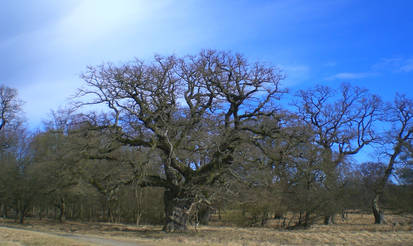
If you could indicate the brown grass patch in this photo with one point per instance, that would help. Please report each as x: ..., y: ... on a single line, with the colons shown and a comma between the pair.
x: 15, y: 237
x: 356, y: 230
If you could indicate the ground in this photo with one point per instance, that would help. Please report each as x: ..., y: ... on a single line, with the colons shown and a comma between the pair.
x: 356, y: 230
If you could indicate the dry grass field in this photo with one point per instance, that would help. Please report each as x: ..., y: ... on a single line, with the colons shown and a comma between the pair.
x: 356, y: 230
x: 16, y: 237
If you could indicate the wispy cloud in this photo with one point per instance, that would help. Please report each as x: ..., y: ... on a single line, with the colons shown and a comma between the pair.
x: 385, y: 65
x: 352, y: 75
x: 408, y: 66
x: 395, y: 65
x: 46, y: 43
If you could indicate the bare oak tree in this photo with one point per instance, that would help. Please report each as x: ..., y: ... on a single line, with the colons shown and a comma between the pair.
x: 184, y: 108
x: 399, y: 139
x: 11, y: 138
x: 342, y: 122
x: 10, y: 107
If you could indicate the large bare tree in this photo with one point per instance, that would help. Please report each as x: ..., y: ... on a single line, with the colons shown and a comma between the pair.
x: 398, y: 139
x: 10, y: 105
x: 10, y: 109
x: 191, y: 110
x: 342, y: 121
x: 11, y: 138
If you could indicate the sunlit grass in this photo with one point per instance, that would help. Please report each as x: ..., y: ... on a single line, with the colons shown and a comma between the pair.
x: 357, y: 229
x: 12, y: 237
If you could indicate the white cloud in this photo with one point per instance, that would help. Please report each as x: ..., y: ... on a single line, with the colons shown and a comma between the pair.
x: 395, y: 65
x: 351, y: 75
x: 95, y: 20
x: 44, y: 60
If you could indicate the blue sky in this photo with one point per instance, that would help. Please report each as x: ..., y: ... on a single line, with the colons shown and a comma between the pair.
x: 46, y: 44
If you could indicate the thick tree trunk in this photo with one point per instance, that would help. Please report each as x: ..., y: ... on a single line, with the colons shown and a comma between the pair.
x: 203, y: 216
x: 378, y: 214
x: 175, y: 212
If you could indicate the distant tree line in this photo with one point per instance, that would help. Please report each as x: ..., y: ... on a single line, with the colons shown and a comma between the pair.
x: 181, y: 138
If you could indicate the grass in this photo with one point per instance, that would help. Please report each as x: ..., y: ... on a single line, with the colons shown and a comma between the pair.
x: 356, y: 230
x: 17, y: 237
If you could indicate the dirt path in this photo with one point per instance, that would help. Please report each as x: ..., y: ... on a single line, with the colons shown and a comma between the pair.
x: 83, y: 238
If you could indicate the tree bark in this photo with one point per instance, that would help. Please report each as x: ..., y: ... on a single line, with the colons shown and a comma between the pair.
x: 378, y: 214
x: 138, y: 198
x: 204, y: 215
x: 175, y: 212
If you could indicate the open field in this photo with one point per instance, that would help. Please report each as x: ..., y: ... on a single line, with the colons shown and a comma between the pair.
x: 356, y: 230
